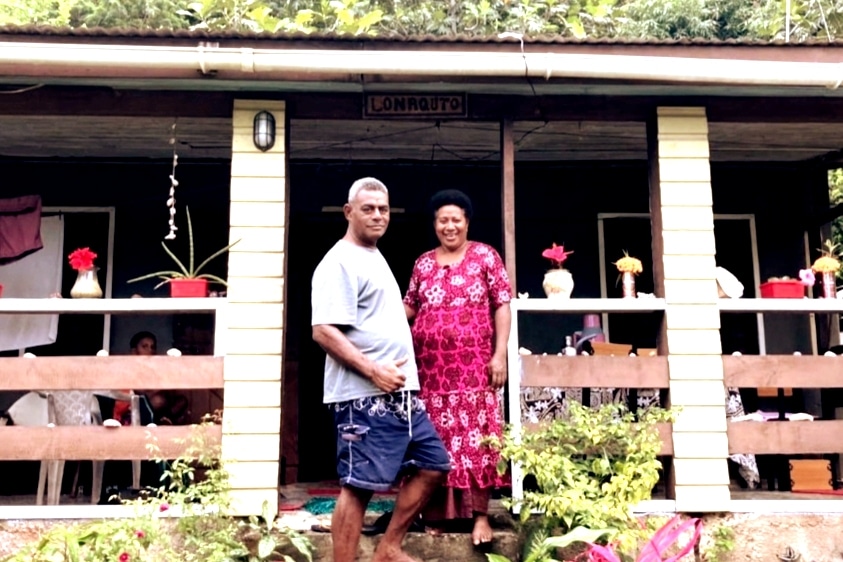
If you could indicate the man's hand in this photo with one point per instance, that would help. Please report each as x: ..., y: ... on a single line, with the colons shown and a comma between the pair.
x: 388, y: 377
x: 497, y: 371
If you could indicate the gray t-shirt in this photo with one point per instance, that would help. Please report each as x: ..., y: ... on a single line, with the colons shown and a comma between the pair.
x: 354, y: 289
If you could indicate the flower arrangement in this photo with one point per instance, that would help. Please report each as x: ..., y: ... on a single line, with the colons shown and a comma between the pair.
x: 81, y: 259
x: 557, y: 255
x: 628, y: 264
x: 828, y: 262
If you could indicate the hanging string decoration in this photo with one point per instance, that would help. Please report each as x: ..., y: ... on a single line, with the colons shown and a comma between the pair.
x: 171, y: 200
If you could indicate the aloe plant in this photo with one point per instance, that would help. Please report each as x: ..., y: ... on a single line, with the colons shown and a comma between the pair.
x: 189, y: 272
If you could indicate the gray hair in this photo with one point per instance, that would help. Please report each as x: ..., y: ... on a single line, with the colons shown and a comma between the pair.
x: 366, y: 184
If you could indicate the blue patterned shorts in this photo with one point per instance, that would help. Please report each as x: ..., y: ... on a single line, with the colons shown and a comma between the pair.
x: 375, y: 442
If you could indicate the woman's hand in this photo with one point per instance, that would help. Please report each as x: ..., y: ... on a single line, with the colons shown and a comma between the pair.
x: 497, y: 370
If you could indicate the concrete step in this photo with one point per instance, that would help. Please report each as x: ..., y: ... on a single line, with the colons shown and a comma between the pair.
x: 447, y: 547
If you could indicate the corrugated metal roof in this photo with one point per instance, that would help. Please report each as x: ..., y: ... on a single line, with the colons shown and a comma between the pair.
x: 116, y: 33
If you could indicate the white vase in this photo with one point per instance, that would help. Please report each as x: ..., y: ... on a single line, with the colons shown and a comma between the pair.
x: 87, y: 285
x: 558, y: 284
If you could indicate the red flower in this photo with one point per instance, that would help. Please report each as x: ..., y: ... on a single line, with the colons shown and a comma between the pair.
x: 83, y: 258
x: 140, y: 534
x: 163, y: 507
x: 124, y: 557
x: 556, y: 254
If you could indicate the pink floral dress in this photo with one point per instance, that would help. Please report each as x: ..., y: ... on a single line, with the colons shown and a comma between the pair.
x: 453, y: 336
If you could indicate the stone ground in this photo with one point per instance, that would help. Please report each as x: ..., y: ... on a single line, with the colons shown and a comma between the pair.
x: 758, y: 536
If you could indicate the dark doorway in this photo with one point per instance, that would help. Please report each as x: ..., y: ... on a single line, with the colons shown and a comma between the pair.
x: 318, y: 191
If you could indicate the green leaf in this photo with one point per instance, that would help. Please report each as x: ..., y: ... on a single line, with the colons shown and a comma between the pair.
x: 177, y: 260
x: 214, y: 255
x: 162, y: 274
x: 579, y: 534
x: 268, y: 516
x: 265, y: 547
x: 496, y: 558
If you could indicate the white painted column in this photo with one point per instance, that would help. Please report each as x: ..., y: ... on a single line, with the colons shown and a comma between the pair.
x: 684, y: 258
x: 255, y: 313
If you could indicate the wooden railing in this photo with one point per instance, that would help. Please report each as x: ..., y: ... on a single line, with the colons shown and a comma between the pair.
x: 777, y: 371
x: 104, y: 374
x: 550, y: 370
x: 784, y: 371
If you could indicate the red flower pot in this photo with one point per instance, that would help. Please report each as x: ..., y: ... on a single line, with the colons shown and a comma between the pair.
x: 782, y: 290
x: 180, y: 288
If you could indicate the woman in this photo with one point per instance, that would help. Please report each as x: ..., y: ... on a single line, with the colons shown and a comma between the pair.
x: 458, y: 300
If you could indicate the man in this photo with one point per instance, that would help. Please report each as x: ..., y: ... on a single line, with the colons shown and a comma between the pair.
x: 371, y: 381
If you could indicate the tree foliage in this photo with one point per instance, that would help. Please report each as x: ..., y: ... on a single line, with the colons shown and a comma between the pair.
x: 662, y: 19
x: 135, y: 14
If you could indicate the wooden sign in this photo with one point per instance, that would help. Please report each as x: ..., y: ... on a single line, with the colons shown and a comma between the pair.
x: 384, y: 106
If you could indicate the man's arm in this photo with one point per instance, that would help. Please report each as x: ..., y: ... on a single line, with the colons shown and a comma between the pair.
x: 387, y: 377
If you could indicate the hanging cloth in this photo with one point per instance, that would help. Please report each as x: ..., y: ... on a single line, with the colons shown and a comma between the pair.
x: 20, y: 227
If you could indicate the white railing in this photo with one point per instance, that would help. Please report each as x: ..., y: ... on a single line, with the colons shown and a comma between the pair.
x: 125, y: 306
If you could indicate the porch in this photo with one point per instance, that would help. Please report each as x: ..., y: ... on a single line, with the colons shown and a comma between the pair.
x: 674, y: 186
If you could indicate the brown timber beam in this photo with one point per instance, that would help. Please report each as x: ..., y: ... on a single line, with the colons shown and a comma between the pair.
x: 596, y: 371
x: 785, y: 438
x: 102, y: 443
x: 508, y: 197
x: 783, y: 371
x: 111, y: 373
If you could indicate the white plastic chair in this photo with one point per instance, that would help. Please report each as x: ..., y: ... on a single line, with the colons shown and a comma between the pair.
x: 68, y: 407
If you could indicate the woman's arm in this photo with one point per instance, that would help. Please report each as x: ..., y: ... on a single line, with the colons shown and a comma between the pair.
x: 410, y: 311
x: 497, y: 366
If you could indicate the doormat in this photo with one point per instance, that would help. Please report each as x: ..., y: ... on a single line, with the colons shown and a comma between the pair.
x: 322, y: 506
x: 335, y: 491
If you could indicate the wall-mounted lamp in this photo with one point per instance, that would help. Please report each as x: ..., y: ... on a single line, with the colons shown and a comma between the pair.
x: 264, y: 130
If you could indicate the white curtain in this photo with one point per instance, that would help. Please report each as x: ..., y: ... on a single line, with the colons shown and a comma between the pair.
x: 38, y: 275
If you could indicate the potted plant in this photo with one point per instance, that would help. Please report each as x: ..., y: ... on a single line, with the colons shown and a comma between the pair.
x: 628, y: 267
x: 188, y: 281
x: 558, y: 282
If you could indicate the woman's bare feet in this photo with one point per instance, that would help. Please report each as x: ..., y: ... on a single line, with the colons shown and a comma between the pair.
x: 482, y: 532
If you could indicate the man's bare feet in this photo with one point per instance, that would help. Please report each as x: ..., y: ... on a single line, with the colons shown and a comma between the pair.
x: 482, y: 532
x: 392, y: 555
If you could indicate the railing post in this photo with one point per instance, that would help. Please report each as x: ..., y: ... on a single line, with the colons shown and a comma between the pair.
x: 684, y: 269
